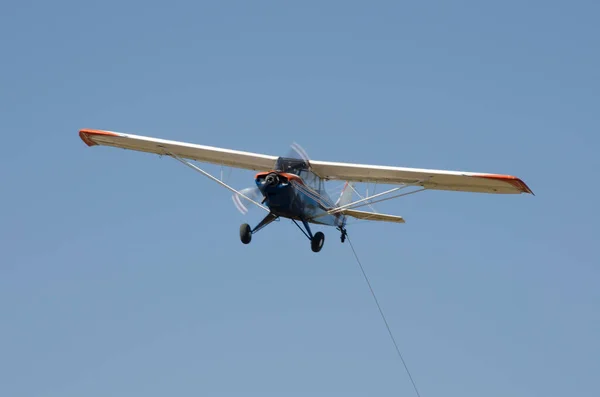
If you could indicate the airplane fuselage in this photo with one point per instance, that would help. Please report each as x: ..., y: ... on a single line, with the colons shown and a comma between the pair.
x: 288, y: 196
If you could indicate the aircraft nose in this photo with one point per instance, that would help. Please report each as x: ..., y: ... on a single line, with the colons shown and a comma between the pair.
x: 272, y: 179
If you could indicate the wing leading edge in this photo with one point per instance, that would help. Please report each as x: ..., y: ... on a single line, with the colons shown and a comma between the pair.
x: 430, y: 179
x: 207, y: 154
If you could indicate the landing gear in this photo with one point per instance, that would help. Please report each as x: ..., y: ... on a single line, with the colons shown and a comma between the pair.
x: 245, y: 233
x: 317, y: 241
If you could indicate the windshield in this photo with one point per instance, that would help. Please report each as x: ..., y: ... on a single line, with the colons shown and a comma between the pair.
x: 292, y: 166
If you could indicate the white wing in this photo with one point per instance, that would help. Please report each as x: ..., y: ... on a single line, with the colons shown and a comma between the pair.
x: 207, y: 154
x: 430, y: 179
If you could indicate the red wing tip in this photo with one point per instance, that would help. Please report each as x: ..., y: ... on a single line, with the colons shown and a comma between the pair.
x: 513, y: 180
x: 85, y: 134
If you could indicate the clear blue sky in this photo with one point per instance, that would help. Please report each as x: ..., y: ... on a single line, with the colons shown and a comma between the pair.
x: 122, y: 273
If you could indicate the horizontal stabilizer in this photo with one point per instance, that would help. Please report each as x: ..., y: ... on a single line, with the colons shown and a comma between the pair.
x: 373, y: 216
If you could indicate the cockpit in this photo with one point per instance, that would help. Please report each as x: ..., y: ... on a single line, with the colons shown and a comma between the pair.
x: 290, y: 165
x: 301, y: 168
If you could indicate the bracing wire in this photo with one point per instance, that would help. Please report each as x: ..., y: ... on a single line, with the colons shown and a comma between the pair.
x: 383, y: 317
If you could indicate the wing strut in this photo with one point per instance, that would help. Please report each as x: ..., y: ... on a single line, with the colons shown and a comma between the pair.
x: 367, y: 200
x: 389, y: 198
x: 343, y: 207
x: 200, y: 170
x: 360, y: 195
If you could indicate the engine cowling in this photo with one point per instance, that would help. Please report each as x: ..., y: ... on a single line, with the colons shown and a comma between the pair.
x: 272, y: 179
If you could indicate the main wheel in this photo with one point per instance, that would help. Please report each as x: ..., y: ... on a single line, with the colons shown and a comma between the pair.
x: 245, y: 233
x: 317, y: 242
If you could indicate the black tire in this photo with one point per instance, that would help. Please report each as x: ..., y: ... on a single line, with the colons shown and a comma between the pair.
x: 317, y: 242
x: 245, y: 233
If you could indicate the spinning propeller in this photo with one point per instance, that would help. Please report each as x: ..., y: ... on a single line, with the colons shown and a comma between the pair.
x: 295, y: 152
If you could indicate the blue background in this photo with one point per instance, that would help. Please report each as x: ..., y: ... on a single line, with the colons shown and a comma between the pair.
x: 122, y: 273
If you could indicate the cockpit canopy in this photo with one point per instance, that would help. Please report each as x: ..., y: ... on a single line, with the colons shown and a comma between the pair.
x: 302, y: 169
x: 290, y: 165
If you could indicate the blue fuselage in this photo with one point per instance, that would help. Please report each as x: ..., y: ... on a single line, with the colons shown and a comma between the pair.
x: 288, y: 196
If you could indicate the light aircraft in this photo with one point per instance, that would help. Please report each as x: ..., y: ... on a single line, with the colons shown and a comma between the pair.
x: 293, y: 186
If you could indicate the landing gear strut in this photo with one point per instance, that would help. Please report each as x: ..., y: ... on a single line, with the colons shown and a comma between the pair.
x: 316, y: 241
x: 246, y: 231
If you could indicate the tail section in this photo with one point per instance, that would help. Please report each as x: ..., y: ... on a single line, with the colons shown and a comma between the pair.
x: 346, y: 195
x: 346, y: 198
